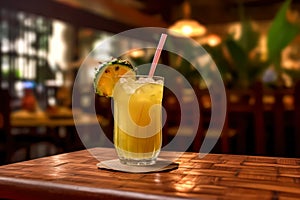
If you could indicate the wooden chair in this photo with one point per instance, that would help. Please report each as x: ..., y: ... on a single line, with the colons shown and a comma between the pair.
x: 259, y: 122
x: 279, y: 131
x: 248, y: 106
x: 244, y: 109
x: 204, y: 103
x: 297, y: 118
x: 224, y: 144
x: 174, y: 119
x: 283, y: 112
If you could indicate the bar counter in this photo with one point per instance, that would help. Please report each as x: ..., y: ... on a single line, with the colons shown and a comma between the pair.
x: 216, y: 176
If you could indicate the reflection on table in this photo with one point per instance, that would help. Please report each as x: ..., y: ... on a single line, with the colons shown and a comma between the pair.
x: 216, y: 176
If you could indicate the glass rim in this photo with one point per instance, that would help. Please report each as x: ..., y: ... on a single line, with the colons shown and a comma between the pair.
x: 142, y: 75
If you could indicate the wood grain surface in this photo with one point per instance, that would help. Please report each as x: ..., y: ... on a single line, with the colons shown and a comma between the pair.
x: 75, y: 175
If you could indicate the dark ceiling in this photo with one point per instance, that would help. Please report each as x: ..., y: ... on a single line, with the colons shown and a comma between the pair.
x: 119, y: 15
x: 215, y: 11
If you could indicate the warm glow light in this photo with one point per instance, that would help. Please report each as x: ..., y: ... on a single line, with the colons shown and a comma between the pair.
x: 137, y: 53
x: 235, y: 30
x: 189, y: 28
x: 213, y: 40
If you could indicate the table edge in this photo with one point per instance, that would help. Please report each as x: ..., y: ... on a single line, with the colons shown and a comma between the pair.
x: 49, y: 190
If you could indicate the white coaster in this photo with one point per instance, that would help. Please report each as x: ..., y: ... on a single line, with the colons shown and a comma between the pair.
x: 159, y: 166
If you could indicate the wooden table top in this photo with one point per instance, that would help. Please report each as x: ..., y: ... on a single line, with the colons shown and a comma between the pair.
x: 75, y: 175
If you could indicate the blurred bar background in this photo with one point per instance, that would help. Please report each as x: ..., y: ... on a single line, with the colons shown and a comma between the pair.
x: 255, y: 45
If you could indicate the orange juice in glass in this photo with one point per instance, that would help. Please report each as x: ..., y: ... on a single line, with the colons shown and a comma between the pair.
x: 138, y: 118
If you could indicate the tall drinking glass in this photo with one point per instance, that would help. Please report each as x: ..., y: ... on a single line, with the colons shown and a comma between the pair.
x: 138, y: 119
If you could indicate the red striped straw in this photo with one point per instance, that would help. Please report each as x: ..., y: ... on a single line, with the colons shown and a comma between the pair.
x: 160, y: 45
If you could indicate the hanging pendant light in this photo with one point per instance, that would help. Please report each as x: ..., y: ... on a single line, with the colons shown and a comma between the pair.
x: 187, y: 26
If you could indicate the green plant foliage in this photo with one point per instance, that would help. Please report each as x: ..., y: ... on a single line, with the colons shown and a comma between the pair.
x: 249, y: 38
x: 246, y: 69
x: 237, y: 54
x: 280, y: 34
